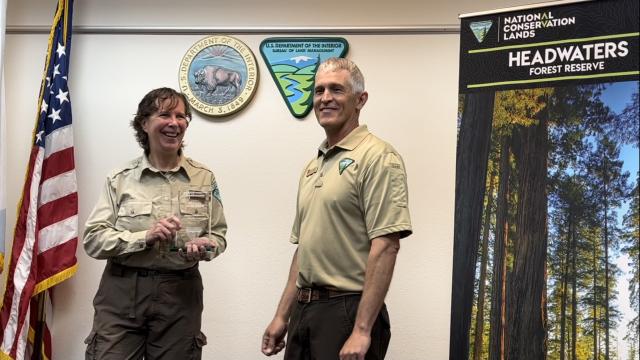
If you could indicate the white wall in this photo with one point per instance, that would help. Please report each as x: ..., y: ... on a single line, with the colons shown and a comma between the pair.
x: 257, y: 154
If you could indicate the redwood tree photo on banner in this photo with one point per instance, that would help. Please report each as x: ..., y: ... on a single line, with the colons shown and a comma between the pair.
x: 547, y: 225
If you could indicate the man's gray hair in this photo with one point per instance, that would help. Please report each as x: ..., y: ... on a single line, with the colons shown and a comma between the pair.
x: 355, y: 76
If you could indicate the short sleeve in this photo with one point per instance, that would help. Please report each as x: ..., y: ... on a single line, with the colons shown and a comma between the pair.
x: 384, y: 197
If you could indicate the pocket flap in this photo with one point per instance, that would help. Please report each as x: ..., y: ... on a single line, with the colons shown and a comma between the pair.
x: 195, y: 202
x: 195, y: 208
x: 135, y: 208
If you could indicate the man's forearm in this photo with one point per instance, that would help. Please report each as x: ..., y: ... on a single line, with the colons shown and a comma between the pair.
x: 379, y: 271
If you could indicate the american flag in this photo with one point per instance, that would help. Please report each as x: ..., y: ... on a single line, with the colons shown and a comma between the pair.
x: 46, y: 231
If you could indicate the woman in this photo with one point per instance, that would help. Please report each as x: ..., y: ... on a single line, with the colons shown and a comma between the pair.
x: 157, y: 217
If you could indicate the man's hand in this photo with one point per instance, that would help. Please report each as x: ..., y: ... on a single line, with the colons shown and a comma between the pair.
x: 197, y: 248
x: 163, y: 230
x: 356, y: 346
x: 273, y: 338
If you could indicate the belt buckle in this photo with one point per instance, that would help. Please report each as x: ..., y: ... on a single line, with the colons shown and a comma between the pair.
x: 308, y: 299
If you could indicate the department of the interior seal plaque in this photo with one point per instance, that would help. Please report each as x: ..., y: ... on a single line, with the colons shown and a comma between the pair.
x: 219, y: 75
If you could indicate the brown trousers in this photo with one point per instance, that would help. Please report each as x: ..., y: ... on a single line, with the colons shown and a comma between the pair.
x: 146, y: 314
x: 317, y: 330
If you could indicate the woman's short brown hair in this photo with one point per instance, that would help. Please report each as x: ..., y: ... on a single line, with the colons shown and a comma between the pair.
x: 151, y: 103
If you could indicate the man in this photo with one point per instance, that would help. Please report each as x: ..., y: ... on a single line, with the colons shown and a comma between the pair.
x: 351, y: 213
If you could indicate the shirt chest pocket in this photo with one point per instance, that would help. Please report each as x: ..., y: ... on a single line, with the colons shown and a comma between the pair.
x: 194, y: 213
x: 134, y: 215
x: 195, y: 204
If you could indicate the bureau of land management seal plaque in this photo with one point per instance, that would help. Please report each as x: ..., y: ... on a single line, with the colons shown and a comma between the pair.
x: 219, y: 75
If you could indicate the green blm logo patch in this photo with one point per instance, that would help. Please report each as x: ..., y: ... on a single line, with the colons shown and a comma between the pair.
x: 293, y: 63
x: 343, y: 164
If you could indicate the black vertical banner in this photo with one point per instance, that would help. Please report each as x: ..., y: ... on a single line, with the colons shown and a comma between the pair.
x: 550, y: 46
x: 547, y: 210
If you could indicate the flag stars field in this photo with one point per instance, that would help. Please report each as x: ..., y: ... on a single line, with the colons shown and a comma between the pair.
x: 39, y: 136
x: 55, y: 115
x: 56, y: 71
x: 60, y: 50
x: 62, y: 96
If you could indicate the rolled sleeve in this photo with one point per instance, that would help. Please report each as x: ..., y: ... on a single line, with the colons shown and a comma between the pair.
x: 101, y: 238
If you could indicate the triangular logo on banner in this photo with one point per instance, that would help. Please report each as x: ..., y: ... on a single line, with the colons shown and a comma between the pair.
x: 480, y: 29
x: 293, y: 63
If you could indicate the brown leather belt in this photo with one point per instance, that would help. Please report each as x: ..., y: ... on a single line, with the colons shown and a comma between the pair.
x: 307, y: 295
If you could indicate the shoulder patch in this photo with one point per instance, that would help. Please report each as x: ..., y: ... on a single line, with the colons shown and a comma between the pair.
x: 215, y: 191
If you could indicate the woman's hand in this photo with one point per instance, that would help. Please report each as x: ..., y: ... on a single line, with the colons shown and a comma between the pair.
x: 163, y: 230
x: 198, y: 248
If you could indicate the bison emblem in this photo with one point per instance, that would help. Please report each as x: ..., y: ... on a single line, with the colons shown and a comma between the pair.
x: 209, y: 77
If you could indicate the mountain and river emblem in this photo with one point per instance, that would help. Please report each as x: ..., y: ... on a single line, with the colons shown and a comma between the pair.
x: 293, y: 63
x: 480, y: 29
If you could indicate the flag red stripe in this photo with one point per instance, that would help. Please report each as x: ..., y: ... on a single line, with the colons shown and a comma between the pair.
x: 57, y: 259
x: 25, y: 298
x: 18, y: 242
x: 57, y: 210
x: 46, y: 339
x: 57, y: 163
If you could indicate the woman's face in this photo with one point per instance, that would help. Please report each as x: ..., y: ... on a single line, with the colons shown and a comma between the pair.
x: 166, y: 128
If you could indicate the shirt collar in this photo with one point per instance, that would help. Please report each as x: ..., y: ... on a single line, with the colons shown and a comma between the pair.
x: 350, y: 142
x: 145, y: 166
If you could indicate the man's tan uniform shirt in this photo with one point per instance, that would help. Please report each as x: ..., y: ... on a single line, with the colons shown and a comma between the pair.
x: 348, y: 195
x: 138, y: 195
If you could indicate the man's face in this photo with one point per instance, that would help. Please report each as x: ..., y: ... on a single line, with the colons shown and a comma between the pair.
x: 166, y: 128
x: 334, y: 101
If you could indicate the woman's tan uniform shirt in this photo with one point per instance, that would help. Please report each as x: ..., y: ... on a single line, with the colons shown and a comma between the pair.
x: 136, y: 196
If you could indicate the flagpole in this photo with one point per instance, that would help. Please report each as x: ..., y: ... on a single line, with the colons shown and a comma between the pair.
x: 39, y: 330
